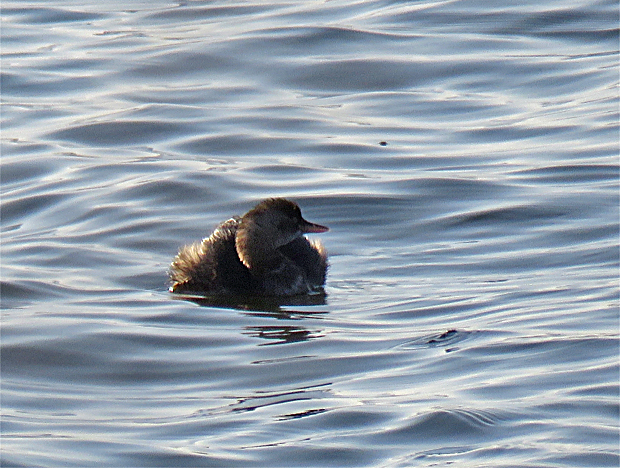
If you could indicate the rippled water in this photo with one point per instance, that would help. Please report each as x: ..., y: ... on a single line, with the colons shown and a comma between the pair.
x: 464, y: 155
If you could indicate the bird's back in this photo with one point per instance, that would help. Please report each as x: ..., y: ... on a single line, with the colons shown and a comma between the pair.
x: 212, y: 266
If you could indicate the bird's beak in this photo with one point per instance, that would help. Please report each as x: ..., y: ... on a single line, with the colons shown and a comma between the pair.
x: 307, y: 227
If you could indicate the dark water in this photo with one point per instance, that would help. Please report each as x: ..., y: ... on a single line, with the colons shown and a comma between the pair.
x: 472, y: 309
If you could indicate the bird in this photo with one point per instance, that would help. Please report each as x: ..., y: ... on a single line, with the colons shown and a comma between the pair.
x: 262, y: 253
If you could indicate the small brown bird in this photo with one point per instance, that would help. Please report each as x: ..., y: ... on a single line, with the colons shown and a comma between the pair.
x: 262, y: 253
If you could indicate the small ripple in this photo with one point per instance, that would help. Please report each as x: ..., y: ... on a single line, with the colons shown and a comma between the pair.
x: 180, y: 63
x: 362, y: 75
x: 278, y: 335
x: 191, y: 12
x: 302, y: 414
x: 20, y: 86
x: 240, y: 145
x: 277, y: 398
x: 20, y: 209
x: 443, y: 340
x: 526, y: 214
x: 459, y: 424
x: 17, y: 172
x: 572, y: 174
x: 50, y: 15
x: 118, y: 133
x: 17, y: 294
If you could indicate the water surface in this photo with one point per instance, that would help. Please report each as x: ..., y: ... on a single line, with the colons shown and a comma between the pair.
x: 464, y: 155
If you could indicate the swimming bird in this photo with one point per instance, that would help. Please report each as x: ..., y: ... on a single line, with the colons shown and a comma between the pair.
x: 264, y: 252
